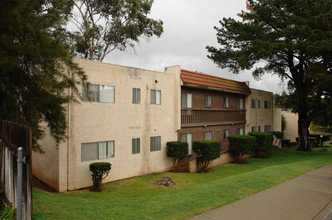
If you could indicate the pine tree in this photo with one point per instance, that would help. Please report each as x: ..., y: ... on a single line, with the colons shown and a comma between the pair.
x: 293, y: 38
x: 36, y: 69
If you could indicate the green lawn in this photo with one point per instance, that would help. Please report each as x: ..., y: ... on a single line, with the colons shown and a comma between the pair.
x: 139, y: 198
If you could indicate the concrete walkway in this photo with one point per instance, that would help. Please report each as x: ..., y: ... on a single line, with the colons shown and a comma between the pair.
x: 308, y: 196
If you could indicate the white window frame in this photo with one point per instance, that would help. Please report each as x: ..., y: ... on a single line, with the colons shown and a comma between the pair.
x: 188, y: 137
x: 103, y: 150
x: 155, y: 97
x: 136, y: 96
x: 267, y: 104
x: 155, y: 143
x: 267, y: 128
x: 226, y: 102
x: 186, y: 100
x: 240, y: 131
x: 226, y: 134
x: 207, y: 100
x: 240, y: 103
x: 136, y: 145
x: 208, y: 135
x: 253, y: 103
x: 98, y: 93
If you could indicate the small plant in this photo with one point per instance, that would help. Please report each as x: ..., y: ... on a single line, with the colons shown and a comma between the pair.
x: 240, y: 145
x: 99, y: 171
x: 206, y: 152
x: 6, y: 212
x: 176, y: 150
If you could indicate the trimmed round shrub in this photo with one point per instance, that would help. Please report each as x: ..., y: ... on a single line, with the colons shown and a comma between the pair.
x: 264, y: 141
x: 240, y: 145
x: 99, y: 171
x: 176, y: 150
x: 206, y: 152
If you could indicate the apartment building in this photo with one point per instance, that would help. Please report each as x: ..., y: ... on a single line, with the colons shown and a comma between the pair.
x: 260, y: 114
x: 127, y: 121
x: 127, y: 116
x: 212, y: 108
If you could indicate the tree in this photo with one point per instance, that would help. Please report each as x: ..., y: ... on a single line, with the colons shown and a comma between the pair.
x: 293, y: 39
x: 35, y: 66
x: 176, y: 150
x: 106, y: 25
x: 100, y: 171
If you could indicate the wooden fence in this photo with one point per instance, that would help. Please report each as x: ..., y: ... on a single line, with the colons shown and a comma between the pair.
x: 12, y: 137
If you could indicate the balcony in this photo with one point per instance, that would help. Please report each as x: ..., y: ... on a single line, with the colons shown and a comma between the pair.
x: 199, y: 117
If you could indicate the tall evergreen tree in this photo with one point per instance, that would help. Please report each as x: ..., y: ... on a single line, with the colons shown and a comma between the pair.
x: 36, y: 69
x: 293, y: 38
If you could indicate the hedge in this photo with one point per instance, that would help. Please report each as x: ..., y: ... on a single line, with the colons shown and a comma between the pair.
x: 206, y: 152
x: 264, y: 141
x: 278, y: 134
x: 176, y: 150
x: 239, y: 145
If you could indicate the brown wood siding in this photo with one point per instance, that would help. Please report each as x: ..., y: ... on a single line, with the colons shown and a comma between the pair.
x: 198, y: 97
x: 198, y: 133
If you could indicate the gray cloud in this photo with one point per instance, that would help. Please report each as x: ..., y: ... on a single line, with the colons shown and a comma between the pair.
x: 188, y: 29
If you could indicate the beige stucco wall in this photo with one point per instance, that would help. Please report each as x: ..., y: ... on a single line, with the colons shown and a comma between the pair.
x: 276, y: 119
x: 260, y: 116
x: 120, y: 121
x: 291, y: 125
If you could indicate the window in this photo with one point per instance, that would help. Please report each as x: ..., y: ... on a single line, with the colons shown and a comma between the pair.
x: 97, y: 150
x: 239, y: 131
x: 208, y: 101
x: 258, y: 103
x: 253, y: 129
x: 98, y: 93
x: 155, y: 143
x: 267, y: 128
x: 135, y: 145
x: 208, y: 135
x: 189, y: 139
x: 226, y: 134
x: 226, y: 105
x: 136, y: 96
x: 240, y: 104
x: 259, y: 128
x: 186, y: 100
x: 253, y: 103
x: 155, y: 97
x: 267, y: 104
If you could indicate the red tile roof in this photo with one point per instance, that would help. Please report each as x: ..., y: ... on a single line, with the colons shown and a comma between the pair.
x: 204, y: 81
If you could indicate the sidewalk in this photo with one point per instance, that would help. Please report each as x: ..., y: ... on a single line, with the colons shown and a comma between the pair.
x: 308, y: 196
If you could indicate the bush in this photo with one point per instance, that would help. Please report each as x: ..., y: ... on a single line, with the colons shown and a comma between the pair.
x: 176, y: 150
x: 239, y: 145
x: 6, y: 212
x: 206, y: 152
x: 285, y: 143
x: 99, y: 171
x: 264, y: 141
x: 278, y: 134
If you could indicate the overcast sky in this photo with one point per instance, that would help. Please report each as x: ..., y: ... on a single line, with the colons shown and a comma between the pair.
x: 188, y: 29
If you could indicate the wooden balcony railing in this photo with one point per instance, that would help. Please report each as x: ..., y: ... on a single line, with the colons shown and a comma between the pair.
x: 211, y: 116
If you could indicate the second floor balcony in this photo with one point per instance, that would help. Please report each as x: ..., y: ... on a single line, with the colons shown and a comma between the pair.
x: 200, y: 117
